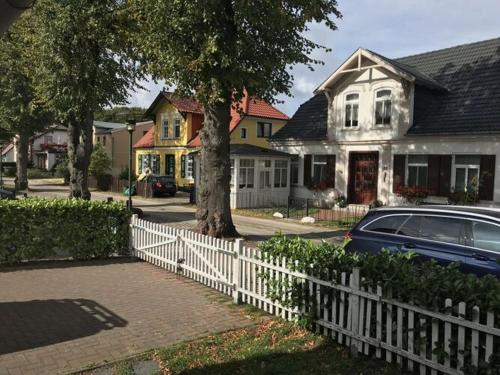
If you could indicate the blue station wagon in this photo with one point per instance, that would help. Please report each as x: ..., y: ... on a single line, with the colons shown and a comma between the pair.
x: 469, y: 235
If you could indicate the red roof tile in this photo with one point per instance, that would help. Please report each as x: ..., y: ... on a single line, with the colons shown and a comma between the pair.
x: 250, y: 107
x: 184, y: 104
x: 147, y: 140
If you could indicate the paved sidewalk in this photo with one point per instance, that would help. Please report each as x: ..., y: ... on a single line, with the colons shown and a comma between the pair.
x: 61, y: 317
x: 177, y: 212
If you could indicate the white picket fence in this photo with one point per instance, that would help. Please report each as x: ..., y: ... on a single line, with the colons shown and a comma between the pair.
x: 366, y: 320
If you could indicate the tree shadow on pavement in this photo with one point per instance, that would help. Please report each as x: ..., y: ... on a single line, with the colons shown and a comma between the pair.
x: 32, y: 324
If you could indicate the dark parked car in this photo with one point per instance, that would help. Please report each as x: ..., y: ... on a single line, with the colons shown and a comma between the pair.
x: 7, y: 194
x: 469, y: 235
x: 162, y: 185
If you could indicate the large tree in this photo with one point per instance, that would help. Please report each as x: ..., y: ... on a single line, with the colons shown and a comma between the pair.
x: 83, y: 65
x: 217, y: 49
x: 22, y: 113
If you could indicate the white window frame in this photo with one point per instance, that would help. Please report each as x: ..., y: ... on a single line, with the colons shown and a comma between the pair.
x: 266, y: 136
x: 314, y: 162
x: 263, y: 170
x: 278, y: 174
x: 351, y: 103
x: 177, y: 126
x: 376, y: 100
x: 245, y: 171
x: 243, y: 131
x: 414, y: 164
x: 164, y: 125
x: 232, y: 173
x: 189, y: 167
x: 467, y: 167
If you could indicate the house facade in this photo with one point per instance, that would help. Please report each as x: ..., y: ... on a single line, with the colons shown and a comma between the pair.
x: 168, y: 147
x: 114, y: 138
x: 377, y: 127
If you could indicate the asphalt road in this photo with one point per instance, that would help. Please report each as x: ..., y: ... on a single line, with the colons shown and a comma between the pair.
x: 178, y: 212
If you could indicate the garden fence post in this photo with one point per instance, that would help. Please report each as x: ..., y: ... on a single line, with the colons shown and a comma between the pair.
x: 354, y: 302
x: 307, y: 207
x: 131, y: 241
x: 238, y: 247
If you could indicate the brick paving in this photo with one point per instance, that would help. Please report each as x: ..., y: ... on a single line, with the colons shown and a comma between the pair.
x: 61, y: 317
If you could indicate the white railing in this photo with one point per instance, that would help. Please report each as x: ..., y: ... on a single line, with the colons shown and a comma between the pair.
x: 365, y: 319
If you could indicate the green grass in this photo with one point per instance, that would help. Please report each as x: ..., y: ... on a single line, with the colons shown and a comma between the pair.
x: 272, y: 347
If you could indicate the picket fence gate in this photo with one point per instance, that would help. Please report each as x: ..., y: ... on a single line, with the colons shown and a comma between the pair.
x: 366, y: 320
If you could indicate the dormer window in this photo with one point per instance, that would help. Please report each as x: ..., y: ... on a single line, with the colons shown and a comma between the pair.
x: 177, y: 127
x: 164, y: 126
x: 383, y: 107
x: 351, y: 110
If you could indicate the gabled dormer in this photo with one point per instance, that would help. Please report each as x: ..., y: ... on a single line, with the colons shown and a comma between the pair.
x: 177, y: 120
x: 371, y: 97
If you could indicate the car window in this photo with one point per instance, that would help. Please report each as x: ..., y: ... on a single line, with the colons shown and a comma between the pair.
x: 486, y: 236
x: 386, y: 224
x: 443, y: 229
x: 411, y: 228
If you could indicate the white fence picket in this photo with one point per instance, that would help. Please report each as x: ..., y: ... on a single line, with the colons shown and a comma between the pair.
x: 344, y: 309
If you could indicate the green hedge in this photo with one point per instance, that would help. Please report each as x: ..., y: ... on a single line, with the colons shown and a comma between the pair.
x: 38, y: 228
x: 425, y: 284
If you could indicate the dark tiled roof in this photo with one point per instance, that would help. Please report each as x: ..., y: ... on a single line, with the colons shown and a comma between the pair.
x: 420, y: 77
x: 252, y: 150
x: 471, y: 73
x: 309, y: 122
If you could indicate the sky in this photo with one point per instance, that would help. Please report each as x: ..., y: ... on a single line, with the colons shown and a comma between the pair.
x: 393, y: 28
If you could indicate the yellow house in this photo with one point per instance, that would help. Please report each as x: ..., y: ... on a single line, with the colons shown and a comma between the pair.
x: 167, y: 146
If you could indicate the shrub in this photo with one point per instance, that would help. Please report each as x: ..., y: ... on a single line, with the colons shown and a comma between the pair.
x: 341, y: 201
x: 38, y: 228
x: 412, y: 194
x: 124, y: 174
x: 34, y: 173
x: 100, y: 163
x: 62, y: 170
x: 424, y: 284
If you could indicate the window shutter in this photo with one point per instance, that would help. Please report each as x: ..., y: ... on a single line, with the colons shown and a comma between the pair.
x: 433, y: 174
x: 183, y: 166
x: 330, y: 170
x: 398, y: 178
x: 487, y: 178
x: 307, y: 169
x: 444, y: 175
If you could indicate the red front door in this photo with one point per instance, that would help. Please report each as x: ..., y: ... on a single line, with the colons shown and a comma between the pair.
x: 363, y: 177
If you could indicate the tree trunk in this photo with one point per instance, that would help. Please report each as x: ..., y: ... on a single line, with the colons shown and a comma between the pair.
x: 22, y: 146
x: 79, y: 152
x: 214, y: 211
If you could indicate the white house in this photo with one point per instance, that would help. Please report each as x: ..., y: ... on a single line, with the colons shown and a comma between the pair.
x: 259, y: 176
x: 47, y: 147
x: 377, y: 125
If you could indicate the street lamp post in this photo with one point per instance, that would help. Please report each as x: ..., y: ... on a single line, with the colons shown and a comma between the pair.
x: 130, y: 129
